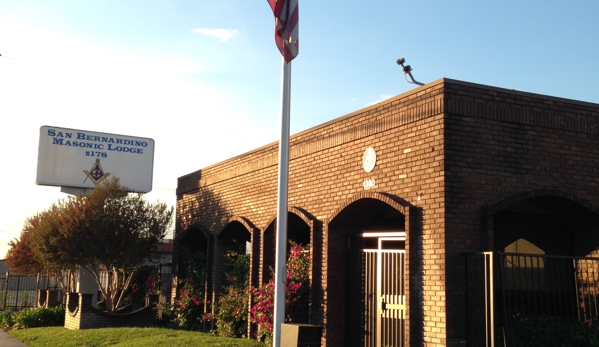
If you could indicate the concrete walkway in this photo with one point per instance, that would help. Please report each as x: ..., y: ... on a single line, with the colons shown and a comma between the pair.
x: 9, y: 341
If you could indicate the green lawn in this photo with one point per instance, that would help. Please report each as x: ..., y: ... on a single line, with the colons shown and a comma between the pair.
x: 130, y: 337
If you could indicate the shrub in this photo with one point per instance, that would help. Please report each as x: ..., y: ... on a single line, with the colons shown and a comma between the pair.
x: 232, y: 313
x: 39, y: 317
x: 544, y: 331
x: 262, y: 312
x: 232, y: 307
x: 297, y: 295
x: 6, y: 319
x: 164, y: 310
x: 145, y: 280
x: 189, y: 309
x: 298, y: 285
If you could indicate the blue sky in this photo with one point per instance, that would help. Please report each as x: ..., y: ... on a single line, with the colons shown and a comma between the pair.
x: 203, y: 78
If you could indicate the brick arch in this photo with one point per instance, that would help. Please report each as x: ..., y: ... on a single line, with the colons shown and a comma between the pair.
x: 181, y: 235
x: 255, y: 239
x: 305, y: 216
x: 514, y: 199
x: 400, y: 206
x: 340, y: 231
x: 491, y: 209
x: 197, y: 225
x: 243, y: 221
x: 267, y: 250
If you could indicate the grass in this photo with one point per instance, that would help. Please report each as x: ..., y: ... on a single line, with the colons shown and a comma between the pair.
x: 130, y: 337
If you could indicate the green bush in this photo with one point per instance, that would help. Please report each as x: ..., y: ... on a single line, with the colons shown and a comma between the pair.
x: 189, y: 309
x: 232, y: 313
x: 297, y: 295
x: 544, y: 331
x: 38, y: 317
x: 233, y: 306
x: 6, y: 319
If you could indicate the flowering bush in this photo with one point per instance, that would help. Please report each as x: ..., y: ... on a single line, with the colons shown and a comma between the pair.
x: 296, y: 294
x: 297, y: 291
x: 262, y: 312
x: 164, y: 310
x: 189, y: 310
x: 152, y: 284
x: 232, y: 313
x: 232, y: 307
x: 144, y: 281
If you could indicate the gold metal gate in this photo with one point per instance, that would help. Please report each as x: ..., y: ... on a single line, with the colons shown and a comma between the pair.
x: 376, y: 297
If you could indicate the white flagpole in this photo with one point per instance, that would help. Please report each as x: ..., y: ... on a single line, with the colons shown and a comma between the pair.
x: 281, y: 245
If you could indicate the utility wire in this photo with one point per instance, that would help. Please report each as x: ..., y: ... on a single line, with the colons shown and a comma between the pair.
x: 8, y: 232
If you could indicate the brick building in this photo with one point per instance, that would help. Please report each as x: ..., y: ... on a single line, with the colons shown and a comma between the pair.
x: 408, y: 185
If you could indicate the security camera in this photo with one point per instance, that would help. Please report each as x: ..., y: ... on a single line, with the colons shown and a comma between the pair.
x: 407, y: 71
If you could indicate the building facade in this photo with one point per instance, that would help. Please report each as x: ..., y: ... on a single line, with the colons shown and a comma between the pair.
x: 391, y: 197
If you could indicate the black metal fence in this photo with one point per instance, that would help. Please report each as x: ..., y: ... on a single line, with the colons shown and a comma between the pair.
x: 504, y: 289
x: 480, y: 294
x: 18, y: 292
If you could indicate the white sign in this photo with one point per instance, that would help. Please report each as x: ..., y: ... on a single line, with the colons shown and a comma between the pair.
x: 83, y: 159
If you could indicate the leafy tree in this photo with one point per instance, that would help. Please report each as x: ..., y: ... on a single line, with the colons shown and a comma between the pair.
x: 20, y: 258
x: 23, y: 260
x: 108, y: 228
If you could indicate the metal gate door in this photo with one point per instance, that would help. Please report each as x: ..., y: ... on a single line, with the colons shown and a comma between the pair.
x: 392, y: 298
x: 376, y: 294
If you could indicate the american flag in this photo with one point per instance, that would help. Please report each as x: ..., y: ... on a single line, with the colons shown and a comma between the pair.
x: 286, y: 27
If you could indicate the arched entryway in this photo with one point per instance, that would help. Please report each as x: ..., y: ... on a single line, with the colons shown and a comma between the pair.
x: 366, y: 241
x: 236, y: 237
x: 299, y: 230
x: 546, y: 244
x: 554, y: 221
x: 193, y: 259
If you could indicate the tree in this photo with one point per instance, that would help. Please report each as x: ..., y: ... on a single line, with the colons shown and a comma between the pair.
x: 20, y: 258
x: 108, y: 228
x: 23, y: 260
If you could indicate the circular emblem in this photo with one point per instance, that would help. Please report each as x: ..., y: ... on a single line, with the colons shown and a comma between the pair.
x: 369, y: 159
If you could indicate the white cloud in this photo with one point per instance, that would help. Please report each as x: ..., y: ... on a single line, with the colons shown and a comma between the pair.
x: 380, y: 98
x: 53, y: 79
x: 221, y: 34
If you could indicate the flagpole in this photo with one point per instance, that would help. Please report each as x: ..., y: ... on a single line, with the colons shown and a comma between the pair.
x: 281, y: 242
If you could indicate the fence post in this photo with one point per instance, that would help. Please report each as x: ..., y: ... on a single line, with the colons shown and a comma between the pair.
x: 18, y: 289
x: 491, y: 292
x: 6, y: 290
x: 160, y: 278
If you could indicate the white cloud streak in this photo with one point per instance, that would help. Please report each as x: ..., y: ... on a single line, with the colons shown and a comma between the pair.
x: 380, y: 98
x: 222, y: 34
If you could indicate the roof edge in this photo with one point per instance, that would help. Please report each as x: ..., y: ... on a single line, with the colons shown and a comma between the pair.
x: 443, y: 80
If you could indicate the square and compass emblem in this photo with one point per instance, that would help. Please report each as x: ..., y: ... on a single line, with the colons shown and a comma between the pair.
x: 96, y: 174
